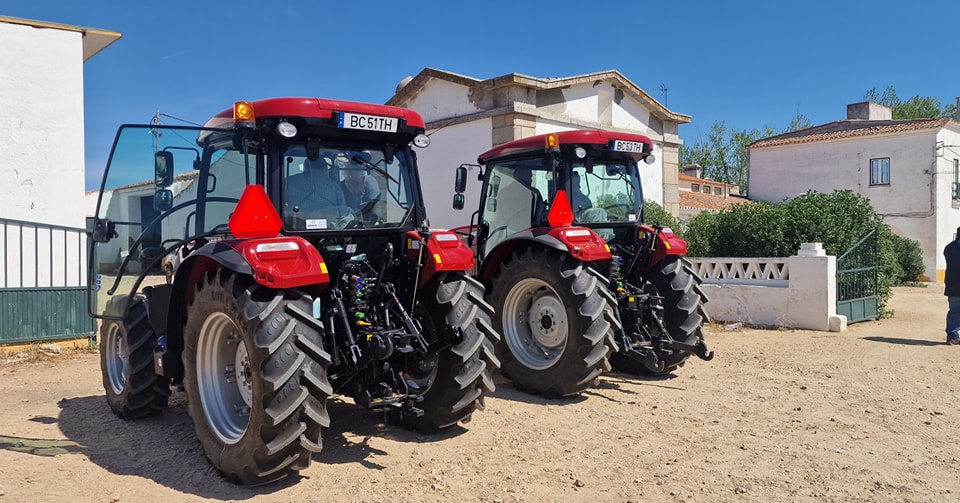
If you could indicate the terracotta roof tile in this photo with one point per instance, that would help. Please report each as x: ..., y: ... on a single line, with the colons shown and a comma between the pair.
x: 709, y: 202
x: 848, y: 129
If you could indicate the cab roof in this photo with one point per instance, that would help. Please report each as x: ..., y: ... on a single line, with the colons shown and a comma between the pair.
x: 317, y: 107
x: 538, y: 142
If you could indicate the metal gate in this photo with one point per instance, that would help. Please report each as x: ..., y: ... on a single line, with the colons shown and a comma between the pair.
x: 858, y: 280
x: 43, y: 293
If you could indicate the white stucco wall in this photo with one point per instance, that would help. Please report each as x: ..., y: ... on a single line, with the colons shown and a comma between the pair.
x: 916, y: 204
x: 445, y: 100
x: 807, y: 299
x: 41, y: 127
x: 449, y: 148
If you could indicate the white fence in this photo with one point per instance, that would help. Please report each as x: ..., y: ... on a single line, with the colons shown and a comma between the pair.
x: 791, y: 292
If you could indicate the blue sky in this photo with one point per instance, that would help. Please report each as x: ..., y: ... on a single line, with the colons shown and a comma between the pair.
x: 746, y: 63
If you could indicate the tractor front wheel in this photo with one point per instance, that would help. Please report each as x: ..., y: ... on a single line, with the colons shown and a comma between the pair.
x: 126, y: 361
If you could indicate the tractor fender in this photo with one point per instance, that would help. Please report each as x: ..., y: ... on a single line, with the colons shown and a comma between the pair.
x: 191, y: 271
x: 590, y: 249
x: 668, y: 243
x: 443, y: 251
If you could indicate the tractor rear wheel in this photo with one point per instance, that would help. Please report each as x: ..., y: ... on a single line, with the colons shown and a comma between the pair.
x: 126, y: 361
x: 683, y: 314
x: 455, y: 380
x: 554, y: 321
x: 255, y: 374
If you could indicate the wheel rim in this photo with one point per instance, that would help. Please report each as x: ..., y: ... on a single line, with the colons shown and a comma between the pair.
x: 535, y: 324
x: 115, y: 346
x: 224, y: 378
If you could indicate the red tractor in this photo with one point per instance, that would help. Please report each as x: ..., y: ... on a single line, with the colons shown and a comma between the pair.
x: 271, y: 259
x: 574, y: 275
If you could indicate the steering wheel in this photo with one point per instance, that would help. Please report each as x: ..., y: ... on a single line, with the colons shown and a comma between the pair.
x: 346, y: 218
x: 625, y: 206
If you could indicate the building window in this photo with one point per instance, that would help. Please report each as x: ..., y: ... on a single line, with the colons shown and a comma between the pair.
x: 695, y: 187
x: 717, y: 191
x: 880, y: 171
x: 706, y: 189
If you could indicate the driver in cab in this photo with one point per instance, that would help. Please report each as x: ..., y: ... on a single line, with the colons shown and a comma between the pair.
x: 313, y: 194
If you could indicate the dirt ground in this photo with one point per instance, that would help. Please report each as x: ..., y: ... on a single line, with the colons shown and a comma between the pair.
x: 870, y: 414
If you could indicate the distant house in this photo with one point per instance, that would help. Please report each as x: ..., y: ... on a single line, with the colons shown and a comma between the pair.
x: 466, y: 116
x: 700, y: 194
x: 908, y: 169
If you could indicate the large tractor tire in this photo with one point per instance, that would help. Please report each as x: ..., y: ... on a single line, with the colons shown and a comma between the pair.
x: 554, y: 320
x: 126, y: 361
x: 255, y: 374
x: 455, y: 380
x: 683, y: 314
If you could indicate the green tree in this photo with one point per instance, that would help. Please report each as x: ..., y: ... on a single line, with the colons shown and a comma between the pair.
x: 917, y: 107
x: 724, y: 156
x: 797, y: 123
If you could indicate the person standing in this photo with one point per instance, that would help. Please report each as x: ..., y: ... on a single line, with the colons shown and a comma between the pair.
x: 952, y: 288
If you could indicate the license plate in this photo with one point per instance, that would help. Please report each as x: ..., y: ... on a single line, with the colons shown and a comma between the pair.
x: 368, y: 122
x: 628, y: 146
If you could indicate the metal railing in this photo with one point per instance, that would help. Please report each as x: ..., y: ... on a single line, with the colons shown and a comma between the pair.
x: 43, y: 272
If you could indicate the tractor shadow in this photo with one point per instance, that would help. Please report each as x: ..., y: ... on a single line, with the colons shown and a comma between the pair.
x: 347, y: 440
x: 161, y: 448
x: 165, y: 448
x: 605, y: 387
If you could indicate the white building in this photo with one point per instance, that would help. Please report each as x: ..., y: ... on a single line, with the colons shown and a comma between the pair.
x: 466, y: 117
x: 41, y: 127
x: 908, y: 169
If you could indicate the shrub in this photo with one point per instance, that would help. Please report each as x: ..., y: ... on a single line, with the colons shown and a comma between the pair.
x: 837, y: 220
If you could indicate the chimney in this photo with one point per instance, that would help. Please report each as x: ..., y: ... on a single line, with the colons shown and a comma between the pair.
x: 868, y: 111
x: 694, y: 169
x: 957, y: 118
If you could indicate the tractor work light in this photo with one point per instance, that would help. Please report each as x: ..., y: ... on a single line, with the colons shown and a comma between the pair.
x: 421, y: 141
x: 580, y: 152
x: 286, y: 129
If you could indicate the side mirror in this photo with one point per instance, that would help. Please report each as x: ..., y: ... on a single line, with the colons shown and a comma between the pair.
x: 460, y: 184
x: 163, y: 168
x: 163, y: 200
x: 103, y: 230
x: 458, y: 201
